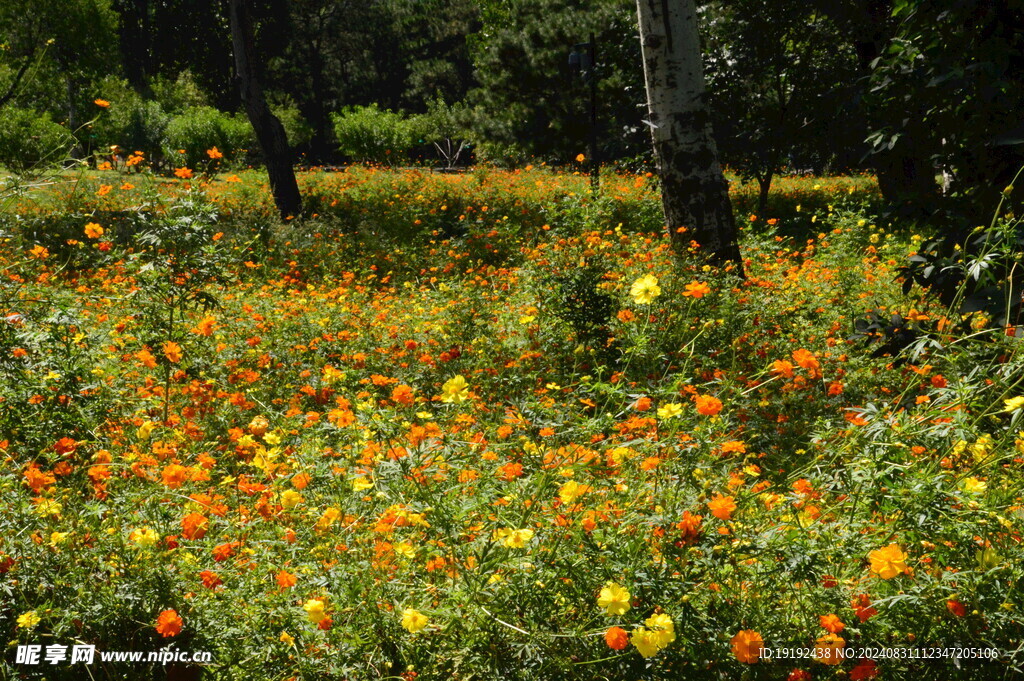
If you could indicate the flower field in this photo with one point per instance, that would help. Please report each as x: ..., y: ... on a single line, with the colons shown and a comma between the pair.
x: 489, y: 426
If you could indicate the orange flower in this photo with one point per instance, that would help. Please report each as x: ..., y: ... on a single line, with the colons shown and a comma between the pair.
x: 828, y: 649
x: 580, y: 158
x: 747, y: 645
x: 93, y: 230
x: 205, y: 326
x: 104, y: 190
x: 689, y: 528
x: 888, y: 562
x: 194, y: 526
x: 806, y: 359
x: 861, y: 605
x: 616, y: 638
x: 781, y: 367
x: 101, y: 103
x: 696, y: 289
x: 402, y: 394
x: 183, y: 173
x: 708, y: 405
x: 214, y: 153
x: 286, y: 579
x: 168, y: 623
x: 172, y: 351
x: 211, y: 580
x: 831, y: 623
x: 956, y: 607
x: 147, y: 358
x: 175, y: 475
x: 722, y: 507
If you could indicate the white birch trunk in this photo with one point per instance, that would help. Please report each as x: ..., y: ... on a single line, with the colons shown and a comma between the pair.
x: 694, y: 192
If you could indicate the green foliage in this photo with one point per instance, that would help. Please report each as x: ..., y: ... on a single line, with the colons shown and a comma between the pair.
x: 298, y: 131
x: 369, y: 134
x: 778, y: 78
x: 130, y: 122
x: 177, y: 94
x: 198, y: 129
x: 30, y: 140
x: 948, y: 88
x: 529, y: 104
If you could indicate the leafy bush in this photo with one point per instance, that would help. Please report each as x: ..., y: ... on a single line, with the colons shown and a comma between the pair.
x: 130, y: 122
x: 295, y: 126
x: 371, y: 135
x: 179, y: 94
x: 199, y: 128
x: 29, y: 139
x: 446, y: 128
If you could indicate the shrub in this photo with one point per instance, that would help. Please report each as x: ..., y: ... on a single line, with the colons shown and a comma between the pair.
x: 29, y: 139
x: 371, y: 135
x: 179, y: 94
x: 295, y: 126
x: 199, y: 128
x: 445, y: 128
x: 130, y: 122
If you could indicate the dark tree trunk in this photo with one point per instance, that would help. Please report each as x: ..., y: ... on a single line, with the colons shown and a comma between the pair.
x: 764, y: 186
x: 270, y: 133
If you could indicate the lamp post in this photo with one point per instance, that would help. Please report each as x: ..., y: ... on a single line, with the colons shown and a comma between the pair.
x: 582, y: 61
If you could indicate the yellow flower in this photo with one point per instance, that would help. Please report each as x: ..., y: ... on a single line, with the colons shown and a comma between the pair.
x: 145, y: 538
x: 28, y: 620
x: 145, y: 430
x: 58, y: 538
x: 285, y: 637
x: 413, y: 620
x: 314, y: 610
x: 973, y: 485
x: 670, y: 410
x: 290, y: 499
x: 614, y: 599
x: 1013, y: 404
x: 361, y: 484
x: 571, y: 491
x: 646, y: 642
x: 455, y: 390
x: 645, y: 289
x: 514, y: 539
x: 662, y: 629
x: 47, y: 507
x: 888, y: 562
x: 404, y: 549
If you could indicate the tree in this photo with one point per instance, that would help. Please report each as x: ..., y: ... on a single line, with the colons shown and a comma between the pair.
x: 780, y: 82
x: 269, y: 131
x: 530, y: 103
x: 694, y: 192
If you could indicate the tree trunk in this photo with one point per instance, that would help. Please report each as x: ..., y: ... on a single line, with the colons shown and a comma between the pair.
x: 764, y: 187
x: 270, y: 133
x: 694, y: 192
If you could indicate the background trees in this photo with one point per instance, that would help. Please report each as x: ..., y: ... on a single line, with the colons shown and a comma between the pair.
x: 910, y: 89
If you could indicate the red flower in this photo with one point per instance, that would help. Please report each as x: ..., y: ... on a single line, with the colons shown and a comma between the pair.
x: 865, y: 669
